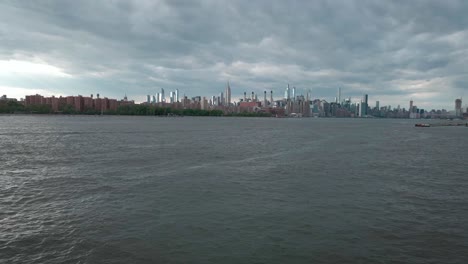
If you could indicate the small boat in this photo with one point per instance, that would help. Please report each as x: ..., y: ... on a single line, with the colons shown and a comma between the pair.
x: 422, y: 125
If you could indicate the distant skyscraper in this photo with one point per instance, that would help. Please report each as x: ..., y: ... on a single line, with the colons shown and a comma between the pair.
x: 154, y: 99
x: 271, y: 97
x: 287, y: 93
x: 377, y: 105
x: 294, y: 93
x: 458, y: 107
x: 363, y: 106
x: 339, y: 95
x: 171, y: 97
x: 176, y: 95
x: 228, y: 94
x: 163, y: 97
x: 221, y: 96
x: 411, y: 106
x: 148, y: 99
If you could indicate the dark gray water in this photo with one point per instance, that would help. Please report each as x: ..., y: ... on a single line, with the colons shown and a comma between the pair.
x: 77, y: 189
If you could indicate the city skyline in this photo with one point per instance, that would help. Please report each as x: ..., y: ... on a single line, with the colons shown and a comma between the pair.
x: 290, y: 93
x: 391, y: 51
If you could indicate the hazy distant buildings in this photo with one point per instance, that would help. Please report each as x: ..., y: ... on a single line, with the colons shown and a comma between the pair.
x: 339, y: 96
x: 458, y: 108
x: 363, y: 106
x: 228, y: 95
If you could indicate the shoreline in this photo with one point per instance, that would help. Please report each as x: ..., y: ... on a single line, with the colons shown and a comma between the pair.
x: 240, y: 116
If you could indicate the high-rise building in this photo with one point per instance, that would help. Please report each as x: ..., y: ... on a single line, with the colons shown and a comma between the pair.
x: 228, y: 94
x: 271, y: 97
x: 363, y: 106
x: 339, y: 95
x: 203, y: 104
x: 410, y: 106
x: 163, y: 96
x: 294, y: 93
x: 287, y: 93
x: 221, y: 96
x: 154, y: 99
x: 171, y: 97
x: 458, y: 107
x: 377, y: 105
x: 176, y: 99
x: 158, y: 98
x: 148, y: 98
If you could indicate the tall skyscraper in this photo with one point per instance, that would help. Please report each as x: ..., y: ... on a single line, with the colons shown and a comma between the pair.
x: 148, y: 98
x: 154, y: 99
x: 203, y: 104
x: 377, y: 105
x: 158, y: 98
x: 176, y: 99
x: 458, y: 107
x: 171, y: 97
x: 271, y: 97
x: 163, y: 97
x: 228, y: 94
x: 221, y: 96
x: 363, y: 106
x: 294, y: 93
x: 339, y: 95
x: 411, y: 106
x: 287, y: 93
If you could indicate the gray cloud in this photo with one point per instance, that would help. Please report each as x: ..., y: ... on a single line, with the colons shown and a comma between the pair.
x: 393, y: 50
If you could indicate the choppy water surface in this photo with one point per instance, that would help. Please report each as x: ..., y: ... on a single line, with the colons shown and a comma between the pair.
x: 80, y: 189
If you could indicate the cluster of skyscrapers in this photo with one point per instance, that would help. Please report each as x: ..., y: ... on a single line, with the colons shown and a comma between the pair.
x: 161, y: 97
x: 294, y: 104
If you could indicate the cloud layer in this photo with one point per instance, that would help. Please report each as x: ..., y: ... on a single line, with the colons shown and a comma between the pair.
x: 393, y: 50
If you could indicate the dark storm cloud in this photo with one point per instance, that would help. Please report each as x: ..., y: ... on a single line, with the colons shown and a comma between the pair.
x: 393, y: 50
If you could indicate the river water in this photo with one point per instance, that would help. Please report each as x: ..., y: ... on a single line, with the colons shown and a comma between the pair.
x: 110, y: 189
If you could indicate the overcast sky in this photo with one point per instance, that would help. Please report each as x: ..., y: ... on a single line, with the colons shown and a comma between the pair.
x: 392, y: 50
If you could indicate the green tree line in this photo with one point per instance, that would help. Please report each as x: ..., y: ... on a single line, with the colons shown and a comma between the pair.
x: 11, y: 107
